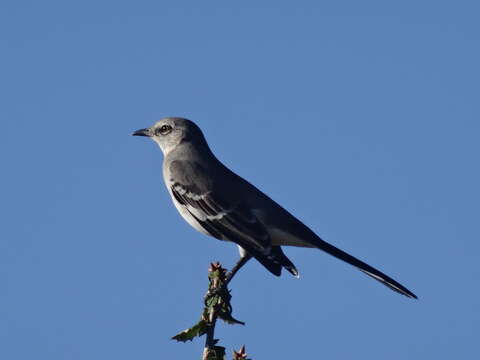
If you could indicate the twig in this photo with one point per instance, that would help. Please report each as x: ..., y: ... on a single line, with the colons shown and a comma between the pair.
x: 243, y: 260
x: 217, y: 306
x: 210, y: 341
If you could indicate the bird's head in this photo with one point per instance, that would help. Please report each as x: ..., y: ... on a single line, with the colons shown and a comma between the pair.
x: 170, y: 132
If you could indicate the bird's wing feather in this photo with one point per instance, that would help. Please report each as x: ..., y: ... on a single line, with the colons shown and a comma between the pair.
x: 224, y: 219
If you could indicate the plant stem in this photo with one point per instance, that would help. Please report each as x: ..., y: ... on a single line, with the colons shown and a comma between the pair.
x: 210, y: 340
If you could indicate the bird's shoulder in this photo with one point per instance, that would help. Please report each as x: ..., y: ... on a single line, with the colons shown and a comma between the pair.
x: 204, y: 176
x: 186, y: 171
x: 211, y: 177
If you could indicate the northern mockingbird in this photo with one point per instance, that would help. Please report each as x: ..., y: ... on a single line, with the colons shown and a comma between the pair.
x: 219, y: 203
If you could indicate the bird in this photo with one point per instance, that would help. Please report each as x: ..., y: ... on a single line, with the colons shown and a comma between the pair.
x: 219, y: 203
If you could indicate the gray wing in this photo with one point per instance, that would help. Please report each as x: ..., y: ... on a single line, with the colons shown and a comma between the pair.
x: 220, y: 211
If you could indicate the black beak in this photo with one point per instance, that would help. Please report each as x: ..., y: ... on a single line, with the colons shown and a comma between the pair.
x: 142, y: 132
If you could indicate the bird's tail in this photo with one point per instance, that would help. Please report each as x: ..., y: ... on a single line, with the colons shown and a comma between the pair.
x: 365, y: 268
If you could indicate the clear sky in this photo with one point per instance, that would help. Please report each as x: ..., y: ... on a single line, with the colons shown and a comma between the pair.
x: 360, y: 117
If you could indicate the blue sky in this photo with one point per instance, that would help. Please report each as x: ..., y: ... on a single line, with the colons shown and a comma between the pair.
x: 361, y: 118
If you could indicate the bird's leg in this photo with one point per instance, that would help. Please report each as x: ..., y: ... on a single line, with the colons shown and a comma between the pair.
x: 242, y: 261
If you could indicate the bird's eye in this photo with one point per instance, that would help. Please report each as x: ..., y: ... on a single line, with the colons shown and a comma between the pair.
x: 164, y: 130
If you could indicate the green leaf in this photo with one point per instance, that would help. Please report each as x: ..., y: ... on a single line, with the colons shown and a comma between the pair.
x: 197, y: 330
x: 229, y: 319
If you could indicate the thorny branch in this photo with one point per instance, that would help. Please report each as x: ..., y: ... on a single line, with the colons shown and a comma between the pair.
x: 216, y: 306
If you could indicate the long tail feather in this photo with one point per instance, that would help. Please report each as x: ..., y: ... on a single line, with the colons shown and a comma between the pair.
x: 365, y: 268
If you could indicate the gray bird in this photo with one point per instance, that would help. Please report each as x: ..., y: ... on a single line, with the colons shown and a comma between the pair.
x: 219, y: 203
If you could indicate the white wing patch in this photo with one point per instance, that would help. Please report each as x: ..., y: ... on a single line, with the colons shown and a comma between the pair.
x: 198, y: 213
x: 182, y: 191
x: 201, y: 215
